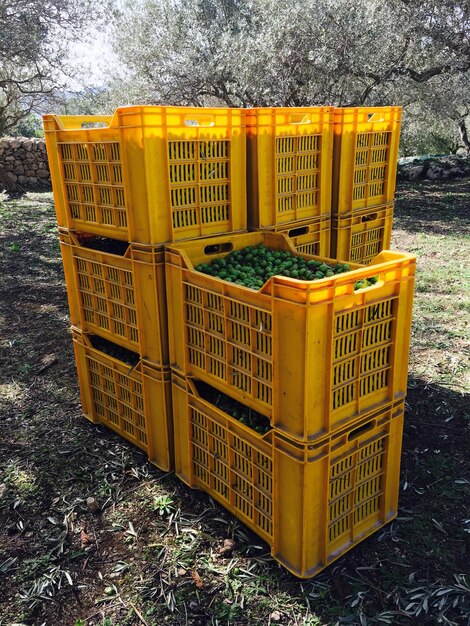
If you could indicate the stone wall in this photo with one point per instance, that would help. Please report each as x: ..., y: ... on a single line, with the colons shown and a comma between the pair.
x: 433, y: 168
x: 23, y: 164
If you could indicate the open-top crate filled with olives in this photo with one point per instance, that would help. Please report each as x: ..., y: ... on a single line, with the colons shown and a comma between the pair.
x: 310, y: 342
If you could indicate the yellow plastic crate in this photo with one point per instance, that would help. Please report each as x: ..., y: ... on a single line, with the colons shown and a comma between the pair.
x: 310, y: 502
x: 359, y: 237
x: 365, y: 157
x: 133, y: 400
x: 311, y: 237
x: 119, y: 297
x: 149, y: 174
x: 289, y: 156
x: 311, y: 356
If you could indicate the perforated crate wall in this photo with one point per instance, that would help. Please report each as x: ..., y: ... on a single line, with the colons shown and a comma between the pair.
x: 149, y: 174
x: 134, y: 401
x: 360, y: 236
x: 365, y: 157
x: 289, y: 154
x: 311, y: 503
x: 119, y: 297
x: 311, y: 356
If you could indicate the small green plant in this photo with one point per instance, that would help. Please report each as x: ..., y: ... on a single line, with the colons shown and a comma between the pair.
x: 164, y: 505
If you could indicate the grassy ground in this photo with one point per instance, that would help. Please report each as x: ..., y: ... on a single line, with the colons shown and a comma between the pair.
x: 157, y: 553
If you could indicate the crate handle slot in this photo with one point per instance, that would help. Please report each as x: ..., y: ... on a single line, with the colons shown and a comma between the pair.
x: 296, y: 232
x: 357, y: 432
x: 371, y: 117
x: 379, y: 283
x: 218, y: 248
x: 369, y: 218
x: 70, y: 122
x: 300, y: 119
x: 199, y: 120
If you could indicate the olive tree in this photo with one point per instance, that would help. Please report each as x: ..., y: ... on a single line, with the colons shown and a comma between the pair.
x: 296, y: 53
x: 34, y: 37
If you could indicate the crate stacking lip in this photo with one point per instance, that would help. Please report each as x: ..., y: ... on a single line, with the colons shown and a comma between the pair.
x: 360, y: 236
x: 120, y: 297
x: 311, y: 356
x: 310, y: 237
x: 310, y: 502
x: 365, y: 157
x: 149, y: 174
x: 289, y: 156
x: 133, y: 400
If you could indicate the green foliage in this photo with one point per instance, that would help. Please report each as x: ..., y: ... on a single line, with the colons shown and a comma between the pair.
x: 30, y: 126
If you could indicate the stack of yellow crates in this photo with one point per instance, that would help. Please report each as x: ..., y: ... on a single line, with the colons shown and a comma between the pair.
x: 179, y: 361
x: 365, y: 158
x: 124, y: 185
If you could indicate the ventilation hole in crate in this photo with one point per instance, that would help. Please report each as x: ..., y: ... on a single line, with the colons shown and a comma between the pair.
x: 240, y: 380
x: 307, y: 182
x: 214, y: 194
x: 214, y: 171
x: 340, y: 507
x: 285, y: 145
x: 239, y: 333
x: 338, y: 529
x: 215, y: 367
x: 377, y: 173
x: 362, y: 140
x: 371, y: 449
x: 344, y: 395
x: 102, y: 173
x: 375, y: 359
x: 182, y: 172
x: 285, y: 164
x: 284, y: 186
x: 263, y: 370
x: 243, y: 465
x: 374, y: 382
x: 380, y: 155
x: 341, y: 467
x: 308, y: 163
x: 195, y: 338
x: 263, y: 344
x: 194, y: 316
x: 66, y: 151
x: 215, y: 214
x: 347, y: 321
x: 374, y: 235
x: 120, y: 202
x: 346, y: 345
x: 81, y: 151
x: 262, y: 320
x: 184, y: 197
x: 382, y: 139
x: 308, y: 248
x: 73, y: 196
x: 367, y: 509
x: 242, y: 506
x: 214, y: 302
x: 284, y: 204
x: 215, y: 323
x: 344, y: 371
x: 376, y: 189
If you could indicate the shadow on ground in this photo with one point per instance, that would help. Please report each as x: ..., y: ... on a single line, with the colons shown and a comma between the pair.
x: 434, y: 207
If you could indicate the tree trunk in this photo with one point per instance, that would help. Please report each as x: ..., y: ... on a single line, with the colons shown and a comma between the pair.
x: 464, y: 135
